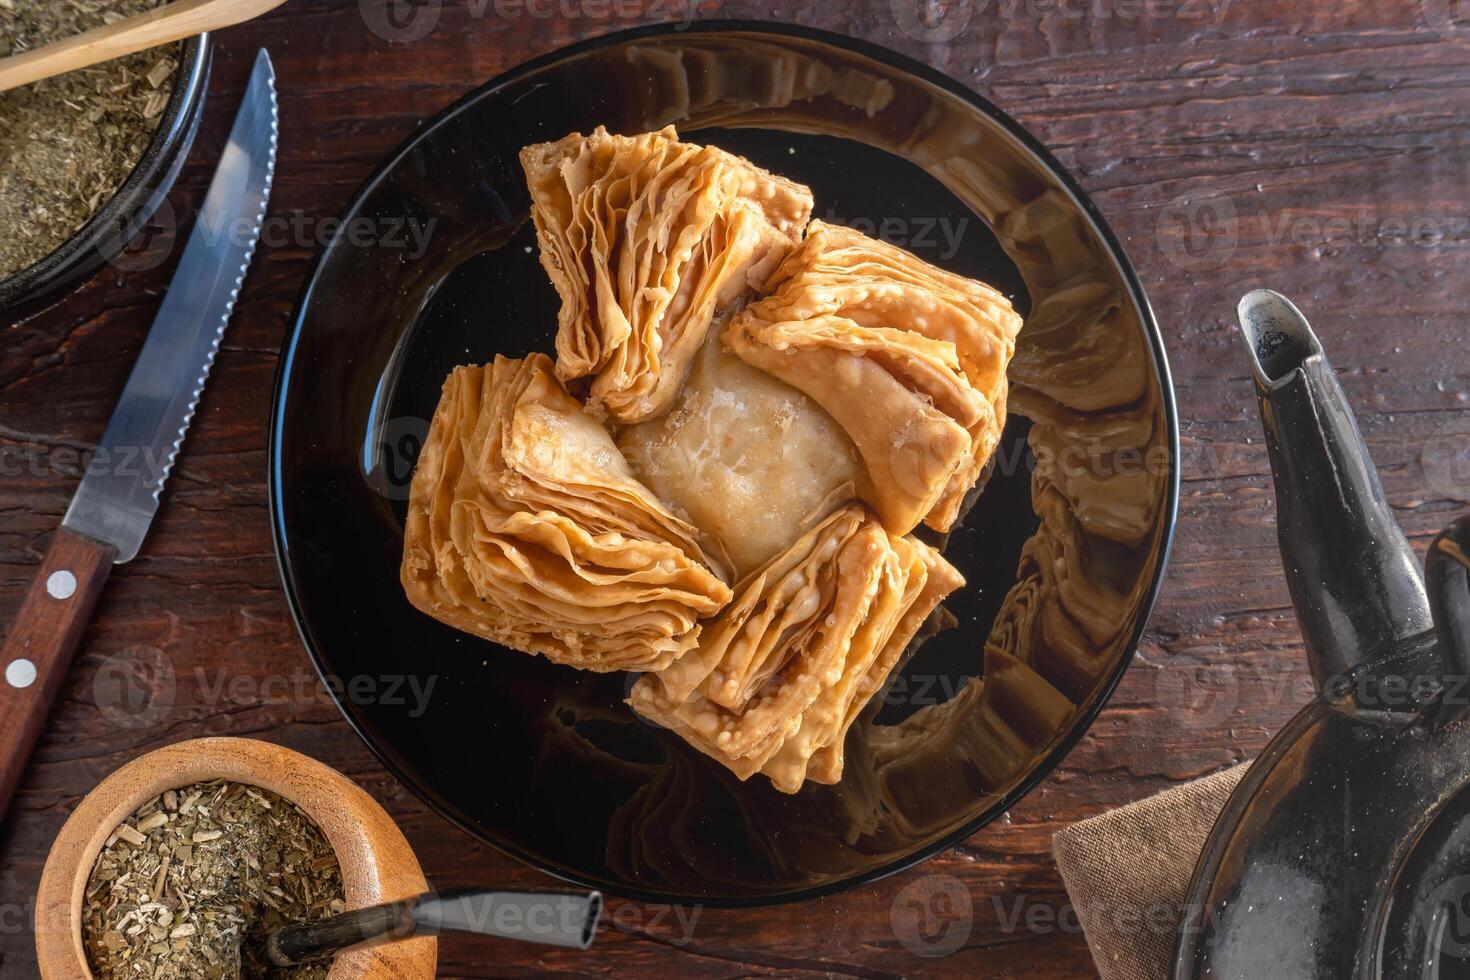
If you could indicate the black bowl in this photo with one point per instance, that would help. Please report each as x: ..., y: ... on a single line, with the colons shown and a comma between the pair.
x: 546, y: 762
x: 122, y: 216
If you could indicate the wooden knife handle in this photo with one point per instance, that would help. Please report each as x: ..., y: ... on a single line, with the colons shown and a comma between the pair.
x: 40, y: 643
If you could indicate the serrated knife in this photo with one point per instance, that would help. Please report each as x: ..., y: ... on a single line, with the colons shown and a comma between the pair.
x: 119, y: 494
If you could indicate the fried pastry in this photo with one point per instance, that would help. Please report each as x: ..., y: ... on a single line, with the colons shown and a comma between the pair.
x: 909, y: 359
x: 787, y: 447
x: 749, y: 460
x: 526, y: 527
x: 647, y: 239
x: 781, y: 674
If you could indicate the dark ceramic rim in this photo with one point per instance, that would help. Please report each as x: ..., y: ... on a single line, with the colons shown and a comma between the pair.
x: 1079, y: 725
x: 131, y: 205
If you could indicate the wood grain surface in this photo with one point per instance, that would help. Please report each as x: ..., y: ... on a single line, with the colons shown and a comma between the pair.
x: 1318, y: 148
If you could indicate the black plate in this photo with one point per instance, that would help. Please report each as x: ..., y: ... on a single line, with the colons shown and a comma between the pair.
x: 545, y: 762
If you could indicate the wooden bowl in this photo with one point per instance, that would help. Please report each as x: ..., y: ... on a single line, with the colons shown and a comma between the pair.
x: 377, y: 863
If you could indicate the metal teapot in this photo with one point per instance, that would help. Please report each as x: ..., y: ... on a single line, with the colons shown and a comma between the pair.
x: 1345, y: 850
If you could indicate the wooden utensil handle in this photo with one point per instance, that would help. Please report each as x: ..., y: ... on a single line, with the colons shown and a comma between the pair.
x: 40, y: 642
x: 171, y: 22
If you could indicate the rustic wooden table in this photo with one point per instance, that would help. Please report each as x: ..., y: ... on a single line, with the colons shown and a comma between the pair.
x: 1317, y: 148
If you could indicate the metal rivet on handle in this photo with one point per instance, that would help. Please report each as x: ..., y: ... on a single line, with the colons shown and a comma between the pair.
x: 20, y: 673
x: 61, y: 585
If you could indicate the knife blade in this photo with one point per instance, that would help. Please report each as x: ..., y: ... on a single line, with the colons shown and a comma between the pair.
x: 116, y: 502
x: 119, y: 494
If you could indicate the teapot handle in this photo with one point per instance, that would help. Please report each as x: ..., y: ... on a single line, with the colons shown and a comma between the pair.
x: 1447, y: 577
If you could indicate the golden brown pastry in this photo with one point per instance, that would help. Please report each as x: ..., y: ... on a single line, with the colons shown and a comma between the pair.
x: 526, y: 527
x: 647, y: 239
x: 749, y: 460
x: 909, y: 359
x: 739, y: 446
x: 780, y: 675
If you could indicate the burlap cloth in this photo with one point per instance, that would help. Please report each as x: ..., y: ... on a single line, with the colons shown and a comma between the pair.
x: 1127, y: 872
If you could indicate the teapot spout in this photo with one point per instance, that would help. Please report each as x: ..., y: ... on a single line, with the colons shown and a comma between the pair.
x: 1353, y: 577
